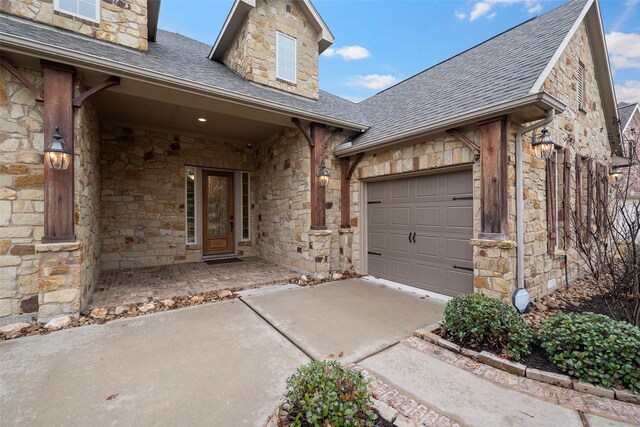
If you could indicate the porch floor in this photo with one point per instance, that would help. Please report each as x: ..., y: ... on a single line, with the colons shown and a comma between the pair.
x: 136, y: 285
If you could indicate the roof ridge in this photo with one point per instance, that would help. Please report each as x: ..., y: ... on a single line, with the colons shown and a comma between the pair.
x: 471, y: 48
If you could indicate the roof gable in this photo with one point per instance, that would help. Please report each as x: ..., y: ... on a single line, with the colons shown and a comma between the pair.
x: 241, y: 9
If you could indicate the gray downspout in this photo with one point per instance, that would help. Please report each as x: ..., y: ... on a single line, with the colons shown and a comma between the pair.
x: 551, y: 114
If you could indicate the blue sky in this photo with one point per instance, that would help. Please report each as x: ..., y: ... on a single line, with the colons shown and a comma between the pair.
x: 380, y: 42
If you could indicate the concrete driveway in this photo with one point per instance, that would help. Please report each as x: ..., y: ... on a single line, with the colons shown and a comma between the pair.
x: 218, y: 364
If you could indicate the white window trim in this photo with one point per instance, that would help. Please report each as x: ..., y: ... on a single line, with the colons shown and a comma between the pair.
x: 295, y: 57
x: 56, y: 6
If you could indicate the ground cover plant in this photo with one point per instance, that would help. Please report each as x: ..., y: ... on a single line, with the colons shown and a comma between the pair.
x: 325, y: 393
x: 594, y: 348
x: 479, y: 322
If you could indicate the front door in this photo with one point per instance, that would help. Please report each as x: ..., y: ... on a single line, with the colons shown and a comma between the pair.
x: 217, y: 196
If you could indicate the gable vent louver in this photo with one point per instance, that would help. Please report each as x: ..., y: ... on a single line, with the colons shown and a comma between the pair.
x: 581, y: 85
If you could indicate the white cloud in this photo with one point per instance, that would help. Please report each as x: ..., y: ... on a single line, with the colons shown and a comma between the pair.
x: 479, y: 9
x: 628, y: 92
x: 374, y: 81
x: 348, y: 53
x: 624, y: 49
x: 460, y: 15
x: 485, y: 8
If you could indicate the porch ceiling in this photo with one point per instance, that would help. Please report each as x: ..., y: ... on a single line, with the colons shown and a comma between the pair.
x: 139, y: 112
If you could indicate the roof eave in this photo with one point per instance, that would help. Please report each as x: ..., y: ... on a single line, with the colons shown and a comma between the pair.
x: 241, y: 9
x: 542, y: 100
x: 12, y: 43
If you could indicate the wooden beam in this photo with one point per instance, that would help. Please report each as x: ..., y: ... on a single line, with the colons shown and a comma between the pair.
x: 306, y: 134
x: 462, y: 138
x: 318, y: 208
x: 111, y: 81
x: 334, y: 133
x: 18, y: 75
x: 493, y: 179
x: 578, y: 203
x: 58, y: 184
x: 347, y: 168
x: 566, y: 202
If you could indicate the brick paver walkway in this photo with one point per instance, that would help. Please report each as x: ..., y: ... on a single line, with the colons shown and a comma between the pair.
x: 136, y: 285
x: 586, y: 403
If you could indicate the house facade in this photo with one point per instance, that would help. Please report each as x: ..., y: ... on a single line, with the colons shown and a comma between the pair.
x: 183, y: 151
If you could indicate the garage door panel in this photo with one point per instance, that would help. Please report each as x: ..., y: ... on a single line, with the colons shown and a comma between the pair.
x: 427, y: 216
x: 442, y: 226
x: 377, y: 191
x: 377, y: 241
x: 399, y: 243
x: 460, y: 216
x: 427, y: 246
x: 378, y: 216
x: 459, y: 250
x: 457, y: 282
x: 400, y: 216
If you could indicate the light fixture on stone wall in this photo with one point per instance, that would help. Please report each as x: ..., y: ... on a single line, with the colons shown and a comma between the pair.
x: 56, y: 156
x: 543, y: 145
x: 323, y: 174
x: 615, y: 173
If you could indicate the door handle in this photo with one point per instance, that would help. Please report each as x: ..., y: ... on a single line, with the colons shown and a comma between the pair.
x: 414, y: 237
x: 409, y: 237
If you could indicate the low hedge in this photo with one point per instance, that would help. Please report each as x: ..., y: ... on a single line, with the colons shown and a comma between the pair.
x: 594, y: 348
x: 327, y: 394
x: 479, y: 322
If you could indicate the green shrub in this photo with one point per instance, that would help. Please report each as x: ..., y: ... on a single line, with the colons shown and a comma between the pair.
x: 594, y: 348
x: 479, y: 322
x: 327, y: 394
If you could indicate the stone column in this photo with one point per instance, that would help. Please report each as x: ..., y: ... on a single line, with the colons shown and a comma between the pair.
x: 494, y: 264
x: 346, y: 248
x: 59, y: 279
x: 320, y: 253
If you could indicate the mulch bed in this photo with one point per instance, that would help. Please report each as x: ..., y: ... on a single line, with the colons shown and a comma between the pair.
x: 599, y: 304
x: 539, y: 359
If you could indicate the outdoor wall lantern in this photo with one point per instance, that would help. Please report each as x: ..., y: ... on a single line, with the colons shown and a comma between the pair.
x: 55, y: 155
x: 323, y: 174
x: 616, y: 173
x: 543, y: 146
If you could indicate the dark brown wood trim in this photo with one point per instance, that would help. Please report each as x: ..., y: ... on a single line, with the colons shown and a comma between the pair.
x: 551, y: 203
x: 566, y: 202
x: 493, y: 178
x: 18, y: 75
x: 462, y: 138
x: 58, y: 184
x: 306, y: 134
x: 588, y: 225
x: 334, y: 133
x: 111, y: 81
x: 354, y: 164
x: 318, y: 208
x: 347, y: 168
x: 579, y: 225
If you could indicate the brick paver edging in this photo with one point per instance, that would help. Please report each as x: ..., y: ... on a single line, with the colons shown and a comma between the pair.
x: 430, y: 334
x: 400, y: 409
x: 587, y: 403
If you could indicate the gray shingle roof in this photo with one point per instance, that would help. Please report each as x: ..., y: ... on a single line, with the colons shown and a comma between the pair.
x: 625, y: 110
x: 179, y: 56
x: 498, y: 70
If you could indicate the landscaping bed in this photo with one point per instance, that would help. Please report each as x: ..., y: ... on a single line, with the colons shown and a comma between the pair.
x: 100, y: 315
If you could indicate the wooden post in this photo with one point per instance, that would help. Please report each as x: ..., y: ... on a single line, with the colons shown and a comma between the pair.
x: 579, y: 225
x: 566, y: 202
x: 493, y: 176
x: 58, y: 184
x: 345, y: 194
x: 318, y: 213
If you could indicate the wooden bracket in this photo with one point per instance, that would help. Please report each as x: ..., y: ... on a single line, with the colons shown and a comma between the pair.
x: 111, y: 81
x: 352, y: 166
x: 334, y: 133
x: 462, y: 138
x: 306, y: 134
x: 18, y: 75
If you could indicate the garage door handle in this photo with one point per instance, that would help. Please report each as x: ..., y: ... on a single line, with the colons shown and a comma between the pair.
x: 374, y: 253
x: 463, y: 198
x: 463, y: 268
x: 414, y: 237
x: 409, y: 237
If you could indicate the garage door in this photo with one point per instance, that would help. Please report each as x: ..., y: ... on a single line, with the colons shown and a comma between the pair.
x: 418, y: 231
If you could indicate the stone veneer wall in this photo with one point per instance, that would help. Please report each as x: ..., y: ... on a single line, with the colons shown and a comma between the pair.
x: 252, y: 54
x: 143, y: 193
x: 44, y: 278
x: 21, y: 193
x: 544, y: 271
x: 122, y: 22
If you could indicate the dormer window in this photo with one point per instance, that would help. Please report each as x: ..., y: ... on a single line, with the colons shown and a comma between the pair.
x: 285, y: 57
x: 85, y: 9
